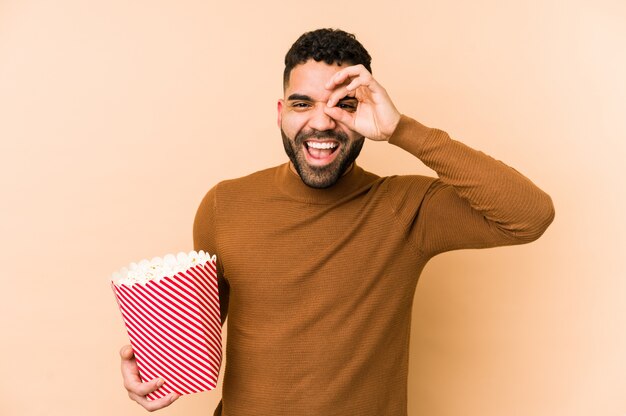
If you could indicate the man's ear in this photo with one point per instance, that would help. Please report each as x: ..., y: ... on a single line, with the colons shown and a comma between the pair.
x: 279, y: 108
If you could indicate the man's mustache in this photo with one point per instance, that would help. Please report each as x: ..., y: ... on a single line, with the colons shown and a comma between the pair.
x: 339, y: 136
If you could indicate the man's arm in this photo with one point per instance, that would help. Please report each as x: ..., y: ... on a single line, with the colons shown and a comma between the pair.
x: 477, y: 201
x: 205, y: 238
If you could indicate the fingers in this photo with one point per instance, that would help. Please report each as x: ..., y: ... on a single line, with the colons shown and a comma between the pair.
x: 132, y: 381
x: 340, y: 116
x: 153, y: 405
x: 126, y: 352
x: 143, y: 389
x: 337, y: 95
x: 349, y: 72
x: 130, y: 371
x: 346, y: 81
x: 137, y: 390
x: 375, y: 116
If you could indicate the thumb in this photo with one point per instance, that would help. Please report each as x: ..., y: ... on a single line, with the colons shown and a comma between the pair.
x: 340, y: 116
x: 127, y: 352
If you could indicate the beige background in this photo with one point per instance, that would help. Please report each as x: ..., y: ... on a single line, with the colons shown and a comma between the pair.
x: 116, y: 117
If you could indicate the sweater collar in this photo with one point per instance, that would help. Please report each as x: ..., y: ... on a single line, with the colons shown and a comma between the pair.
x: 289, y: 183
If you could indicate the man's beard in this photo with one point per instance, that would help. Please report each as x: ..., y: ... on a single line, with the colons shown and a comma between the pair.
x: 327, y: 175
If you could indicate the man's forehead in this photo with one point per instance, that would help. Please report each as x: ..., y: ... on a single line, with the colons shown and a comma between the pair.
x: 310, y: 79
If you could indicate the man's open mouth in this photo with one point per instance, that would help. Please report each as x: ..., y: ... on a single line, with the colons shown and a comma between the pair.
x: 320, y: 152
x: 321, y: 149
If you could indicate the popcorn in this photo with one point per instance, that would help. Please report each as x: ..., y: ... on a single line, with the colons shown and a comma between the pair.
x: 171, y: 310
x: 158, y: 267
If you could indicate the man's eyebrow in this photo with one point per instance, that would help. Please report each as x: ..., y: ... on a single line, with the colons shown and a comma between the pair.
x: 304, y: 97
x: 299, y: 97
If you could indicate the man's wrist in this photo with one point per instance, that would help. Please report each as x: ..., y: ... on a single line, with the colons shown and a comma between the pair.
x: 409, y: 133
x: 394, y: 126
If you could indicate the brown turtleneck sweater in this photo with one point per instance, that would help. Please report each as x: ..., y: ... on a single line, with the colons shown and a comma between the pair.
x: 319, y: 283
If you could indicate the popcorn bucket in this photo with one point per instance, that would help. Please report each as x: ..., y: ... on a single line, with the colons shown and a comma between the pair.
x: 172, y: 316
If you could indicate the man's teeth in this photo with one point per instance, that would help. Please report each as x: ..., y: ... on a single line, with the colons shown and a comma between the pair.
x: 318, y: 145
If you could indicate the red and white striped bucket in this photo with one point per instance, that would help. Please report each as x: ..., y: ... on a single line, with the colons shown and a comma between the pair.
x: 175, y: 329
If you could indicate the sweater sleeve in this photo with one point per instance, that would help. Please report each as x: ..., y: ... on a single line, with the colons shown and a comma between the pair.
x: 477, y: 202
x: 205, y: 238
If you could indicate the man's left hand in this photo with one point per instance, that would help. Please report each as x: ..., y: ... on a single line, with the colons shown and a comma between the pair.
x: 375, y: 117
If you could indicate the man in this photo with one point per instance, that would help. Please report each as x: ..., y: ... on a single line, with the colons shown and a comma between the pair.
x: 318, y: 259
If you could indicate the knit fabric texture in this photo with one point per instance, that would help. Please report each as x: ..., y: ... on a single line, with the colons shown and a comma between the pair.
x: 318, y: 284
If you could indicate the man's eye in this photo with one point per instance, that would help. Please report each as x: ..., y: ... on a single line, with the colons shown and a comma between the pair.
x: 348, y: 106
x: 300, y: 106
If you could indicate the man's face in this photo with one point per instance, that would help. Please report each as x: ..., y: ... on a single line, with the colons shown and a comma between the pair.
x: 320, y: 148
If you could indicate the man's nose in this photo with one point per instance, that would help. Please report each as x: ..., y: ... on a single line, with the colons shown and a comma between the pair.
x: 320, y: 120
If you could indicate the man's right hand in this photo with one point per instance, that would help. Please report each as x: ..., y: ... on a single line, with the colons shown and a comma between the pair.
x: 137, y: 390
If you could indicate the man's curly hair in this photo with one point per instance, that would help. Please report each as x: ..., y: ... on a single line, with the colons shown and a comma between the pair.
x: 332, y: 46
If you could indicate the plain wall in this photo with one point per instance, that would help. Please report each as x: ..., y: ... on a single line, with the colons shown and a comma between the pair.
x: 116, y: 117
